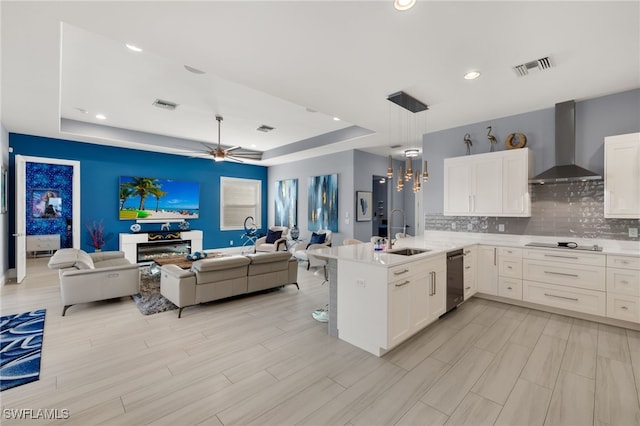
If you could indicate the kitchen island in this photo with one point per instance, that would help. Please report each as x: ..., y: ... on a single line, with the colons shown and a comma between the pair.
x: 373, y: 308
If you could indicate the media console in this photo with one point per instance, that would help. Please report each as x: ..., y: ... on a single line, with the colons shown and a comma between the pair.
x: 129, y: 243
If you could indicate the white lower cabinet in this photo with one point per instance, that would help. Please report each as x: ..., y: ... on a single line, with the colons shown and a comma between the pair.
x: 565, y: 279
x: 623, y: 288
x: 574, y: 299
x: 510, y: 287
x: 470, y: 272
x: 379, y: 307
x: 487, y: 269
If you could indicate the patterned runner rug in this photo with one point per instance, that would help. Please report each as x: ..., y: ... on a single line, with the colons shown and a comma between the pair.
x: 20, y: 348
x: 149, y: 300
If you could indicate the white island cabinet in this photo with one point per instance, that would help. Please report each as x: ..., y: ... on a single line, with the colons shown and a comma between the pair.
x: 379, y: 307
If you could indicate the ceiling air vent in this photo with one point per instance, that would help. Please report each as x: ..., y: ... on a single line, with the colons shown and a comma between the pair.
x: 265, y: 128
x: 165, y: 104
x: 540, y: 64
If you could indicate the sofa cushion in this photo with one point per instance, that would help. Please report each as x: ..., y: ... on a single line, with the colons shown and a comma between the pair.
x: 84, y: 261
x: 277, y: 256
x: 219, y: 263
x: 63, y: 258
x: 273, y: 236
x: 317, y: 239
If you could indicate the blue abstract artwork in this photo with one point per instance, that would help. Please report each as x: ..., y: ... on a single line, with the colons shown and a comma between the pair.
x: 286, y: 199
x: 20, y: 348
x: 323, y: 203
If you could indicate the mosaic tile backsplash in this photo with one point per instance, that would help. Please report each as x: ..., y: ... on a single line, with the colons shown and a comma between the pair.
x: 562, y: 209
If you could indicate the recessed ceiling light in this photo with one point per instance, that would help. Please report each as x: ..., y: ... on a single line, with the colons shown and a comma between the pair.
x: 472, y: 75
x: 101, y: 116
x: 253, y: 145
x: 336, y: 119
x: 133, y: 48
x: 403, y: 4
x: 412, y: 152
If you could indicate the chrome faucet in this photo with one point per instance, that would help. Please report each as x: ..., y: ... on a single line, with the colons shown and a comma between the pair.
x: 390, y: 228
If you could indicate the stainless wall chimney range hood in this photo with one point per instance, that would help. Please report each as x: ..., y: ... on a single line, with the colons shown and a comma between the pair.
x: 565, y: 169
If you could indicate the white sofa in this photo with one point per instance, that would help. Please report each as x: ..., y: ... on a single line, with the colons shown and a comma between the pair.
x: 222, y: 277
x: 89, y: 277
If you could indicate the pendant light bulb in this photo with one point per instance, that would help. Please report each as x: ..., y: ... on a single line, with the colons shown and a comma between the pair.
x: 425, y: 173
x: 409, y: 172
x: 390, y: 168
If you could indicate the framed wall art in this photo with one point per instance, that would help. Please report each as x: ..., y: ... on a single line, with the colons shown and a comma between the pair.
x: 363, y: 206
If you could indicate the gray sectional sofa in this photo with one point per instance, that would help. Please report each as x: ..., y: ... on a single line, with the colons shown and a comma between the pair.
x: 218, y: 278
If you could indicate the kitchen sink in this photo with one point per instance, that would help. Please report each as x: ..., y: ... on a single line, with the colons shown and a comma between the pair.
x: 408, y: 251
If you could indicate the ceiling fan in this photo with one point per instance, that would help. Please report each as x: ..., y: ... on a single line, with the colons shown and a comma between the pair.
x: 220, y: 154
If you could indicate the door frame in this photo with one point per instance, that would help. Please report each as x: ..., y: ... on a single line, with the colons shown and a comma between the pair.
x: 21, y: 207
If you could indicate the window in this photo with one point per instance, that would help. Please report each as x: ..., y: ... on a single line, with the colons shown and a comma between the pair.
x: 239, y: 198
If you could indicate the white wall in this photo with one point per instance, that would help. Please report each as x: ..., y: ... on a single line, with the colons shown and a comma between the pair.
x: 340, y: 163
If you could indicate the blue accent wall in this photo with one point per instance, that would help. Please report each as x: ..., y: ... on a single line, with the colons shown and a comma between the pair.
x: 100, y: 169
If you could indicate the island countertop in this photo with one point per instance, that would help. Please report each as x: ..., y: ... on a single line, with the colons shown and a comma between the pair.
x: 439, y: 242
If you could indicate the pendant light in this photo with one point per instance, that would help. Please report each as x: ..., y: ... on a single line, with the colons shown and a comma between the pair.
x: 410, y: 104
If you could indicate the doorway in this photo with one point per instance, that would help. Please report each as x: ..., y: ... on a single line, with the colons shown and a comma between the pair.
x: 70, y: 219
x: 380, y: 205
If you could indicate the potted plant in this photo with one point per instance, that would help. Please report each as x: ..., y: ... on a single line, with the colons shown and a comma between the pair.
x: 96, y: 231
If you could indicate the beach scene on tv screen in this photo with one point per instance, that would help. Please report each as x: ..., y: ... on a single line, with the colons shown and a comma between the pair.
x: 152, y: 198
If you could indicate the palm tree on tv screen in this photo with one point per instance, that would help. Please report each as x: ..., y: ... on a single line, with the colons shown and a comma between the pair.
x: 126, y: 192
x: 158, y: 193
x: 141, y: 186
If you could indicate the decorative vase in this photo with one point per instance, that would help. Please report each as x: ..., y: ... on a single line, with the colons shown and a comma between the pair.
x: 295, y: 232
x: 98, y: 250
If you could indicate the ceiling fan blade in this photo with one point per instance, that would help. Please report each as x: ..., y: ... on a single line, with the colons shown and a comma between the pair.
x: 249, y: 155
x: 234, y: 158
x: 233, y: 148
x: 209, y: 147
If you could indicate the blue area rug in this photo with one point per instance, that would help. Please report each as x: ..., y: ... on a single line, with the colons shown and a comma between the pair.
x: 20, y: 348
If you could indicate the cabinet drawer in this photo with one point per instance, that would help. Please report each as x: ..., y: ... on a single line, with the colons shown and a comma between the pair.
x: 624, y: 262
x: 566, y: 256
x: 402, y: 271
x: 626, y: 308
x: 623, y: 281
x: 510, y: 267
x: 581, y: 276
x: 510, y: 287
x: 509, y: 251
x: 574, y: 299
x: 43, y: 242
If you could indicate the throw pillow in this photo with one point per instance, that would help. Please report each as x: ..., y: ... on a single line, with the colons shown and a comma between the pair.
x: 273, y: 236
x: 317, y: 239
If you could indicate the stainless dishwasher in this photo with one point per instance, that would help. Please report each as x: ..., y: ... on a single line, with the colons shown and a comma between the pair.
x: 455, y: 278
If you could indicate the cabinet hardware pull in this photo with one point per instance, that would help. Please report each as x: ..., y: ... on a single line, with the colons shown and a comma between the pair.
x: 404, y: 271
x: 509, y: 267
x: 432, y: 283
x: 467, y: 267
x: 403, y: 284
x: 624, y: 307
x: 509, y: 288
x: 563, y: 257
x: 468, y: 288
x: 624, y: 282
x: 561, y: 273
x: 624, y: 262
x: 495, y: 249
x: 562, y: 297
x: 467, y: 251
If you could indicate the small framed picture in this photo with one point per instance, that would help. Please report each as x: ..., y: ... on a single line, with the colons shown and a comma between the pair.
x: 363, y: 206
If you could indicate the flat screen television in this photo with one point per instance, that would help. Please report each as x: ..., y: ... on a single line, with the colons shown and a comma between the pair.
x: 158, y: 199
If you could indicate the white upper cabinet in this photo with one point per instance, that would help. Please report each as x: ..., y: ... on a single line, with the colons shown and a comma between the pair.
x: 622, y: 176
x: 491, y: 184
